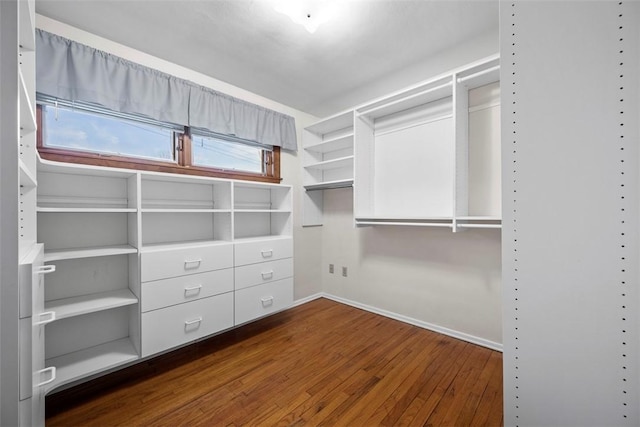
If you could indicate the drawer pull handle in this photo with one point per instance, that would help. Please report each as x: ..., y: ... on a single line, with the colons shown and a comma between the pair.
x: 194, y: 289
x: 51, y: 317
x: 267, y: 275
x: 192, y: 322
x: 267, y: 253
x: 192, y: 264
x: 52, y: 370
x: 267, y: 302
x: 46, y: 269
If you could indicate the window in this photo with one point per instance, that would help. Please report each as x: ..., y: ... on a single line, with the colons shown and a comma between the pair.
x: 97, y: 133
x: 91, y: 135
x: 223, y: 153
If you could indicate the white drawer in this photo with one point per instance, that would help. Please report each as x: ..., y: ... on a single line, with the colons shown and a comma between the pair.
x: 166, y: 292
x: 258, y: 301
x: 169, y: 327
x: 263, y: 250
x: 178, y: 262
x: 264, y: 272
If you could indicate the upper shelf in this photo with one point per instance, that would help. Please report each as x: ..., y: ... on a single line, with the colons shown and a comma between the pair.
x: 429, y: 92
x: 480, y: 74
x: 333, y: 144
x: 332, y: 124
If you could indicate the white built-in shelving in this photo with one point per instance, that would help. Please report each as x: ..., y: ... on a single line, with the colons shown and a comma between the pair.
x: 19, y: 63
x: 328, y: 158
x: 261, y: 210
x: 88, y: 220
x: 430, y: 155
x: 112, y: 232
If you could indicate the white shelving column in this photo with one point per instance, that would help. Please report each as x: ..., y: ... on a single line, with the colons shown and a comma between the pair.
x: 328, y: 156
x: 570, y: 201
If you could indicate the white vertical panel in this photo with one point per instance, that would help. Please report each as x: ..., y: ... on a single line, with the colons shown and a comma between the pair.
x: 570, y: 208
x: 9, y: 296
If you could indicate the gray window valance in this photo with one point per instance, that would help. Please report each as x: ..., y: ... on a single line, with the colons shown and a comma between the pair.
x: 75, y: 72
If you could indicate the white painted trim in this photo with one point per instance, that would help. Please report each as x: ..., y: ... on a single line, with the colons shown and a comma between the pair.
x: 422, y: 324
x: 307, y: 299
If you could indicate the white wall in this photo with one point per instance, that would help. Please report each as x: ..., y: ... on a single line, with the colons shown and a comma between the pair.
x: 306, y: 240
x: 441, y: 280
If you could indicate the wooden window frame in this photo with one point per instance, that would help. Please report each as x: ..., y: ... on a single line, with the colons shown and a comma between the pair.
x: 184, y: 166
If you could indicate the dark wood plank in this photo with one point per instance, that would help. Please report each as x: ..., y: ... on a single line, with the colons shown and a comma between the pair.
x: 321, y: 363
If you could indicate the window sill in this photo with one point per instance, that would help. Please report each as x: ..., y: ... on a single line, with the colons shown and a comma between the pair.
x: 70, y: 156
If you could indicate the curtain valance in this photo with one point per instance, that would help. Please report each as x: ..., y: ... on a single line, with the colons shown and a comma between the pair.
x: 72, y: 71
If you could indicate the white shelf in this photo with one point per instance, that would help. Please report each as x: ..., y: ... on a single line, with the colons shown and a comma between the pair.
x: 332, y: 164
x: 262, y: 211
x: 433, y: 92
x: 27, y: 178
x: 62, y: 254
x: 481, y: 75
x: 77, y: 306
x: 333, y: 144
x: 93, y: 360
x: 332, y: 124
x: 159, y: 247
x: 27, y: 112
x: 478, y: 218
x: 328, y: 185
x: 85, y: 210
x: 260, y: 238
x: 179, y: 210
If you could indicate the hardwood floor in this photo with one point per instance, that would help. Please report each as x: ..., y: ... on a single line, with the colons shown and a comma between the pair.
x: 321, y: 363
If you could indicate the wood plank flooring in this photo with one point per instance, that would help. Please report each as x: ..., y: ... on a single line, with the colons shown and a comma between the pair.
x: 321, y: 363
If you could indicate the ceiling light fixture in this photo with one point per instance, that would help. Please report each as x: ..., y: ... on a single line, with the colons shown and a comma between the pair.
x: 308, y: 13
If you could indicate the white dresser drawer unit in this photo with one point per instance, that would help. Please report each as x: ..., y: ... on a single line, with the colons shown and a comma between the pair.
x: 257, y: 301
x: 264, y: 272
x: 162, y: 264
x: 176, y: 290
x: 263, y: 250
x: 179, y: 324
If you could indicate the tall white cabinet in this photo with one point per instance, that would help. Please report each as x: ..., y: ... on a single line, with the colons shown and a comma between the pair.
x: 146, y: 262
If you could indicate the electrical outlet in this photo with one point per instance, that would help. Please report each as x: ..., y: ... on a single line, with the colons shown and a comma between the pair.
x: 331, y: 268
x: 344, y: 271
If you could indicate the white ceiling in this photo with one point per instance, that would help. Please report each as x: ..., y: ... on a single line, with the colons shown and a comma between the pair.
x: 370, y: 48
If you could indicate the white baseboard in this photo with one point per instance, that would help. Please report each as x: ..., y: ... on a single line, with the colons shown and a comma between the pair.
x: 425, y: 325
x: 307, y: 299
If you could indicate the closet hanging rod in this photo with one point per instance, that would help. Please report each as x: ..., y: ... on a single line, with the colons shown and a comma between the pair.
x: 479, y: 73
x: 479, y: 225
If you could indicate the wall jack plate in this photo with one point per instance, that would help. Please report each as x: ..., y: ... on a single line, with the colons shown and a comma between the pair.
x: 331, y: 268
x: 344, y: 271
